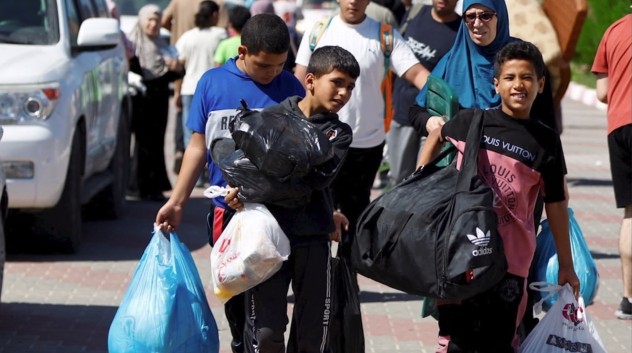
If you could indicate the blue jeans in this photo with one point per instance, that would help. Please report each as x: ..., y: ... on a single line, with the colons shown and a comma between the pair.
x: 186, y: 105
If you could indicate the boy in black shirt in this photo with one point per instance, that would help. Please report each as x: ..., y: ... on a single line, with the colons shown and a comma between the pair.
x: 330, y: 79
x: 519, y: 159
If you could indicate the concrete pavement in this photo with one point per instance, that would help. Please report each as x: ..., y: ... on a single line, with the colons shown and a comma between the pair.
x: 65, y: 303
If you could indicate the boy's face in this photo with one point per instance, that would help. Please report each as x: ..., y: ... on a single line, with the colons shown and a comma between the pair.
x: 518, y: 85
x: 262, y: 67
x: 353, y: 11
x: 330, y: 91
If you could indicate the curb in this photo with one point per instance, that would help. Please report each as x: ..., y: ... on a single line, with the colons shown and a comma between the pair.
x: 585, y: 95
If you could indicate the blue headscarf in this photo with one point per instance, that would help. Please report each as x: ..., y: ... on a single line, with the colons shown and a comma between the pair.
x: 469, y: 68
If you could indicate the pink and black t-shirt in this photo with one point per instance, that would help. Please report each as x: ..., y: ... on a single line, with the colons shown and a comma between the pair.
x: 518, y: 159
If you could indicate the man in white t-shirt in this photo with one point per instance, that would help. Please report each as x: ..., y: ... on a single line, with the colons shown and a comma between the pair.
x: 352, y: 30
x: 196, y: 48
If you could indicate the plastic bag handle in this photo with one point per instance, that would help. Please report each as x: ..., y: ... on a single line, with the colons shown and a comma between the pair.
x: 543, y: 287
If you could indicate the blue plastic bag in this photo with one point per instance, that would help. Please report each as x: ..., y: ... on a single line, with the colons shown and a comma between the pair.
x: 164, y: 309
x: 546, y: 266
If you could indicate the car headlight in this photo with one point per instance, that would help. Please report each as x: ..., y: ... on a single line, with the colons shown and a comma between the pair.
x: 23, y: 105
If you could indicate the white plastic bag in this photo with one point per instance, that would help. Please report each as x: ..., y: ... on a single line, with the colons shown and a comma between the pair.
x: 250, y: 250
x: 565, y: 328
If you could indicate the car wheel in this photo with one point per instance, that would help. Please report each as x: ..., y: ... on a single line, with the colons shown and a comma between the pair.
x: 110, y: 202
x: 62, y: 224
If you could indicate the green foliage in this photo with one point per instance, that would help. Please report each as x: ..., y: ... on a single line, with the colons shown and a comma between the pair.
x: 601, y: 14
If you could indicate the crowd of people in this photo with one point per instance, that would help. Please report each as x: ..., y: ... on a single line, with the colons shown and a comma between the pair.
x: 222, y: 53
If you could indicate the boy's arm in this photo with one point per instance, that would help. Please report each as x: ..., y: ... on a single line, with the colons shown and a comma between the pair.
x: 170, y: 215
x: 431, y: 147
x: 557, y: 214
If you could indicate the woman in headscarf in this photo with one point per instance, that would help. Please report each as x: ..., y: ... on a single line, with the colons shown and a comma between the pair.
x: 469, y: 70
x: 469, y: 66
x: 159, y: 66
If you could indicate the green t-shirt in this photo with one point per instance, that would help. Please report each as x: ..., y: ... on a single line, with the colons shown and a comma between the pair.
x: 227, y: 49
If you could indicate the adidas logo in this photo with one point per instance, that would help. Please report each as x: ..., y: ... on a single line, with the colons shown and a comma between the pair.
x: 480, y: 239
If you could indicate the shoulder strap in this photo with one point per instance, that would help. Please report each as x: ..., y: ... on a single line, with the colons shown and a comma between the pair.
x: 410, y: 14
x: 386, y: 43
x: 317, y: 31
x: 469, y: 166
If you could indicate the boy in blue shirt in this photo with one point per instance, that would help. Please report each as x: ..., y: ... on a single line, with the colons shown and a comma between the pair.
x: 519, y: 158
x: 256, y: 75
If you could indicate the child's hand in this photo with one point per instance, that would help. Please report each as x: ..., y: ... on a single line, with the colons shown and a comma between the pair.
x: 232, y: 201
x: 434, y: 122
x: 566, y: 274
x: 340, y: 222
x: 169, y: 217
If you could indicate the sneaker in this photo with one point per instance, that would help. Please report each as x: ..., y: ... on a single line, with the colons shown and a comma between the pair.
x: 625, y: 310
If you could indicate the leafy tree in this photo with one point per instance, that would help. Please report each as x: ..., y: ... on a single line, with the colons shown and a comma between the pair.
x: 601, y: 14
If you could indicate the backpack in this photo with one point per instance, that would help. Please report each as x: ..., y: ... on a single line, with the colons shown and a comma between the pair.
x: 386, y: 44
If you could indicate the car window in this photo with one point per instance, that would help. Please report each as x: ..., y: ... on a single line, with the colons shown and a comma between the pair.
x: 73, y: 22
x: 29, y: 22
x: 131, y: 7
x: 86, y: 9
x: 102, y: 8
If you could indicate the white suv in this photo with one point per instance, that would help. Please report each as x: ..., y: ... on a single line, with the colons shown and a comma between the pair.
x: 3, y: 214
x: 64, y: 109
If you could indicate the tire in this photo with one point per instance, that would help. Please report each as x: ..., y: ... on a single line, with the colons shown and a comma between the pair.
x: 110, y: 202
x: 61, y: 225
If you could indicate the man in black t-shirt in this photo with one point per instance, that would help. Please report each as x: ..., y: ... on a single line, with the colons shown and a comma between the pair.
x: 430, y: 32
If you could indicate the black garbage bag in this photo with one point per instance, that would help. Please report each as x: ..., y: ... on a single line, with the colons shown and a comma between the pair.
x: 255, y: 186
x: 281, y: 145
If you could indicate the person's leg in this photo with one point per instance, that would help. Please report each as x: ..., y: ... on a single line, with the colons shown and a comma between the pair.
x: 152, y: 171
x: 625, y: 252
x: 235, y: 311
x: 186, y: 132
x: 620, y: 148
x: 235, y: 308
x: 352, y: 188
x: 403, y: 150
x: 266, y: 314
x: 312, y: 287
x: 487, y: 322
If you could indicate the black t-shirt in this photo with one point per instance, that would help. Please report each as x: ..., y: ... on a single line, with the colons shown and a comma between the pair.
x: 522, y: 146
x: 519, y: 160
x: 429, y: 40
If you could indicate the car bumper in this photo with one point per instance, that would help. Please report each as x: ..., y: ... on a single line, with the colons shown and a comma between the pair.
x: 37, y: 145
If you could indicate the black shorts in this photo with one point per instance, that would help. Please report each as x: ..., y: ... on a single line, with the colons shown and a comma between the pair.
x: 216, y: 221
x: 620, y: 147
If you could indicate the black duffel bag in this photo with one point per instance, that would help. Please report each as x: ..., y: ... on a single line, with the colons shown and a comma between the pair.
x: 435, y: 234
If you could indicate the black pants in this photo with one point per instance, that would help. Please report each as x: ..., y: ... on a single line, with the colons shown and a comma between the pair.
x: 486, y: 323
x: 235, y: 307
x: 308, y: 270
x: 352, y: 188
x: 149, y: 123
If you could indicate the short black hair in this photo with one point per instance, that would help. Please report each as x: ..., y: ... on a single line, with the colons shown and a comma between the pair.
x: 238, y: 16
x: 329, y: 58
x: 266, y: 32
x: 520, y: 50
x: 205, y: 12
